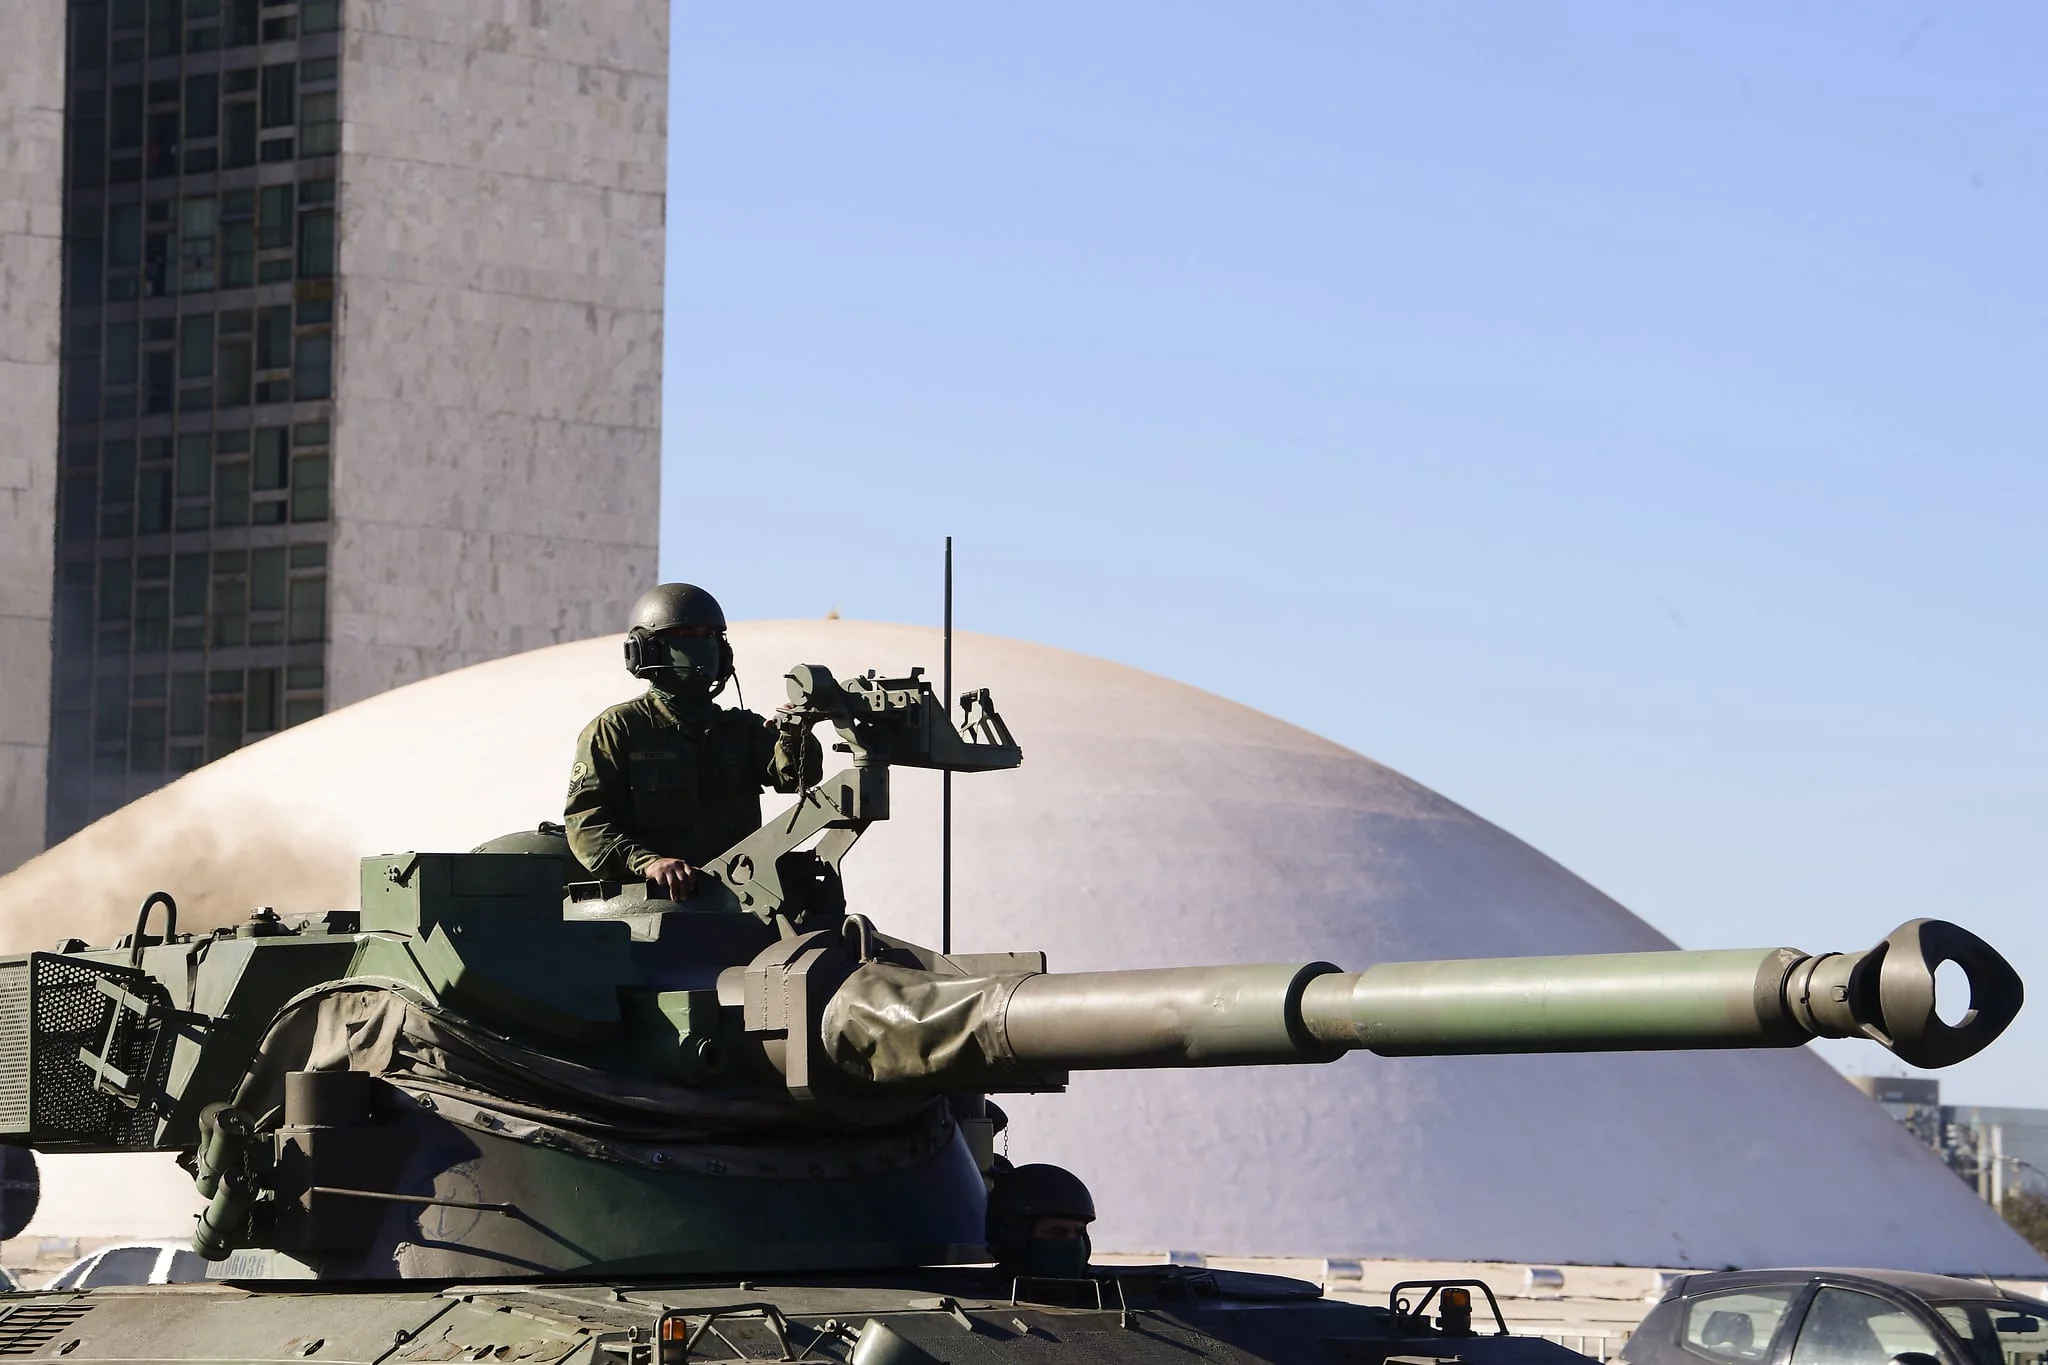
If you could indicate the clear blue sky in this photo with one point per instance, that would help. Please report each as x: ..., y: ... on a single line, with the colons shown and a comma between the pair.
x: 1625, y: 418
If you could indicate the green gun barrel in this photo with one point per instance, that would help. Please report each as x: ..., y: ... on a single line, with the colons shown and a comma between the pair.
x: 1621, y: 1002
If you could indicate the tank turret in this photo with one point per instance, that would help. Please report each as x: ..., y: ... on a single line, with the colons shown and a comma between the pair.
x: 490, y: 1070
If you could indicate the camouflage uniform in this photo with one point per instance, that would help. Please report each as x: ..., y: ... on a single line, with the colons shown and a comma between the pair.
x: 665, y: 777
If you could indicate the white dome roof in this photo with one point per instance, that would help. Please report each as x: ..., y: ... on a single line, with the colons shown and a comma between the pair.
x: 1151, y: 824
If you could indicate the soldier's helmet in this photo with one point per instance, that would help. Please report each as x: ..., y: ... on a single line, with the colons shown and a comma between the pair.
x: 1041, y: 1190
x: 669, y: 605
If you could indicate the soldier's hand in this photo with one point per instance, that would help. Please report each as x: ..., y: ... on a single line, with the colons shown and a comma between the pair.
x: 673, y: 877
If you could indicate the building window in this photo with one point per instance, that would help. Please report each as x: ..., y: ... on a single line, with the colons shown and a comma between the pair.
x: 152, y: 620
x: 262, y: 710
x: 280, y: 95
x: 231, y: 493
x: 233, y: 377
x: 163, y: 28
x: 110, y: 711
x: 85, y: 271
x: 159, y: 368
x: 78, y: 498
x: 230, y: 613
x: 195, y: 245
x: 274, y: 217
x: 146, y: 740
x: 274, y: 337
x: 74, y: 617
x: 224, y: 720
x: 116, y: 589
x: 124, y: 118
x: 319, y: 132
x: 153, y: 500
x: 202, y: 106
x: 117, y: 490
x: 88, y: 38
x: 309, y: 488
x: 238, y: 146
x: 308, y: 610
x: 316, y: 245
x: 195, y: 346
x: 188, y: 586
x: 82, y: 388
x: 186, y: 720
x: 271, y: 475
x: 242, y: 22
x: 121, y: 341
x: 313, y: 367
x: 88, y: 153
x: 160, y: 153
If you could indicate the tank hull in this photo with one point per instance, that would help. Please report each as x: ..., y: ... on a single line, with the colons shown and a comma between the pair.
x: 1163, y: 1313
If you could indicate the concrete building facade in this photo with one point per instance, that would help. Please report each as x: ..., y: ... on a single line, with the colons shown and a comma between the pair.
x: 500, y: 304
x: 361, y: 378
x: 31, y: 243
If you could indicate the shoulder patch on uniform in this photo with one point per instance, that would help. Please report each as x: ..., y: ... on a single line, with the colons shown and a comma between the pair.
x: 581, y: 779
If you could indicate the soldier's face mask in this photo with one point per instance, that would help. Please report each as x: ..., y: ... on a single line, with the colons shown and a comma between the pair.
x: 677, y: 664
x: 695, y: 657
x: 1057, y: 1258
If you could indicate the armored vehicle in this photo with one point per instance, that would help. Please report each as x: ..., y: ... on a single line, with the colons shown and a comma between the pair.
x: 499, y: 1112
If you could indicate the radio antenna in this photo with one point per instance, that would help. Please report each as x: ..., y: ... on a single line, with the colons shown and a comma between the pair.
x: 946, y: 777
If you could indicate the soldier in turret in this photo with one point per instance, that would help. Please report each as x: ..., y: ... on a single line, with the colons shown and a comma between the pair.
x: 665, y: 781
x: 1038, y: 1217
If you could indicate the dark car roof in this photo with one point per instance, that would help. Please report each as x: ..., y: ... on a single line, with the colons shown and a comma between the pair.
x: 1935, y: 1288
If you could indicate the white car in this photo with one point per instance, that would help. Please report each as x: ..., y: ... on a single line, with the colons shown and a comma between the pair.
x: 132, y: 1263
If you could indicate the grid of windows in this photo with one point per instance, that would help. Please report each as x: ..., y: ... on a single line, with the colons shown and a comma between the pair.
x: 197, y: 377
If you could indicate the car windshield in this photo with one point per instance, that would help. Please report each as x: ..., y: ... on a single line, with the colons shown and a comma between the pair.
x: 70, y: 1277
x: 123, y: 1265
x: 2000, y: 1333
x: 187, y: 1267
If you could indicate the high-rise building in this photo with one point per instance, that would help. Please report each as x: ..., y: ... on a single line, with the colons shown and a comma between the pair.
x: 31, y: 236
x: 361, y: 358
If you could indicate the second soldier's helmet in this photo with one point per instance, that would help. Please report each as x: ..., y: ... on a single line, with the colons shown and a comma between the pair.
x: 1022, y: 1195
x: 668, y: 606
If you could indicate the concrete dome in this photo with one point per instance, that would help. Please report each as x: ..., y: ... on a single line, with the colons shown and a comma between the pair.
x: 1151, y: 824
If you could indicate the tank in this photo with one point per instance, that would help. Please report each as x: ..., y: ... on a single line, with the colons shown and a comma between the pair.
x: 499, y: 1111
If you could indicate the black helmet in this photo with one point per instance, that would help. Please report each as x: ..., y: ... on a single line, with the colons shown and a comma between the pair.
x: 676, y: 604
x: 1040, y: 1190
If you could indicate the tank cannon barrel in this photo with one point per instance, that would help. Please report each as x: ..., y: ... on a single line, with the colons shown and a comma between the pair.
x: 1656, y: 1001
x: 1776, y: 997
